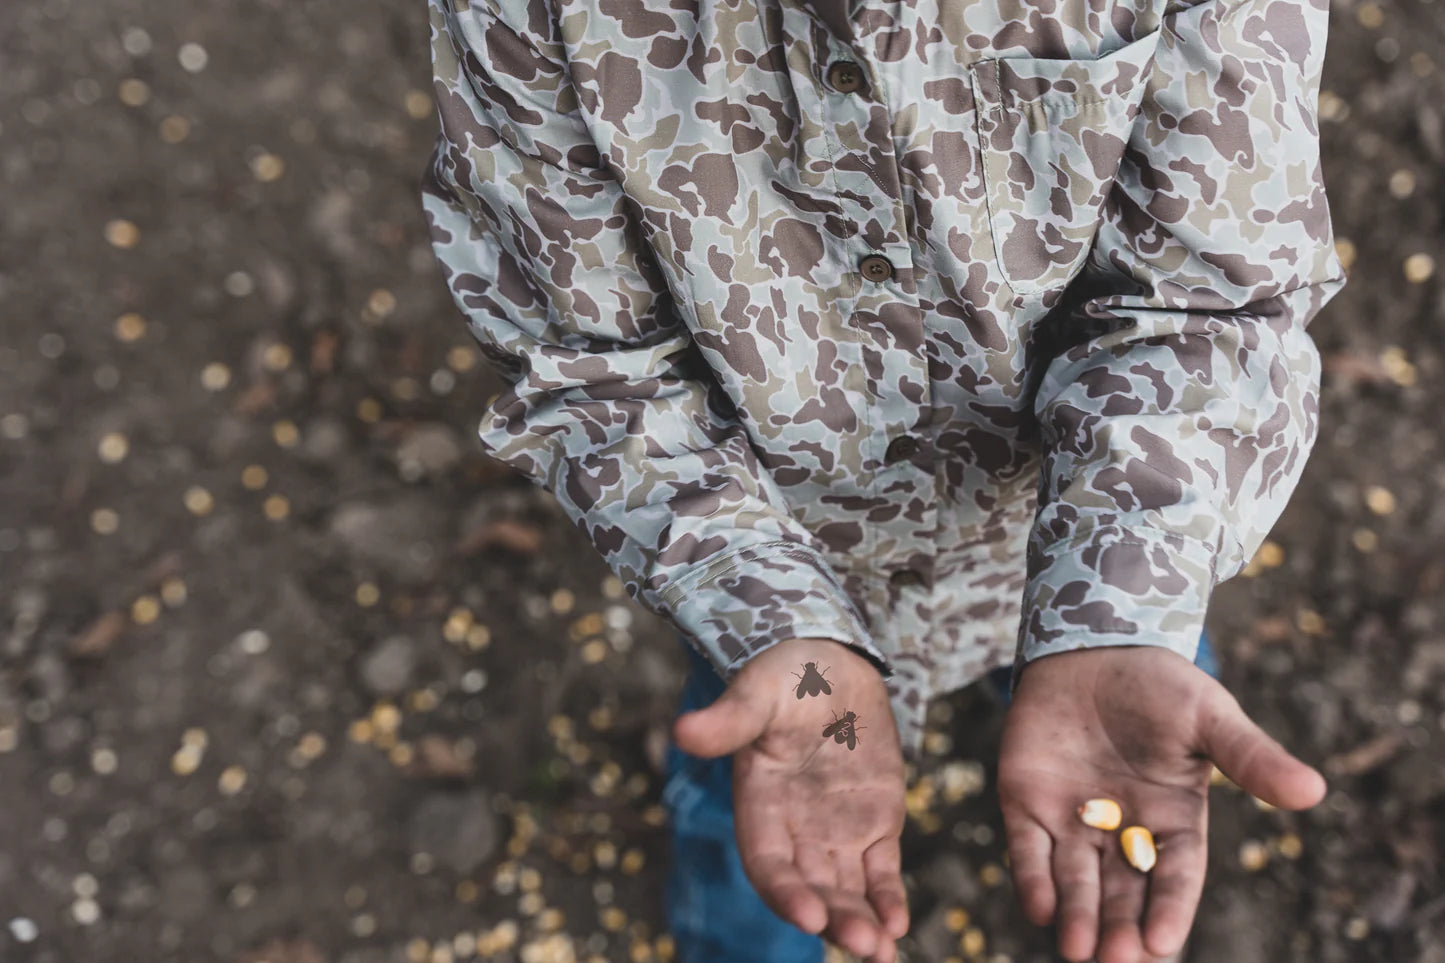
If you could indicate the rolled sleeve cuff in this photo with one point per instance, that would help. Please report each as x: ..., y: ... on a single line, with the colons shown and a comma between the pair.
x: 1115, y: 586
x: 738, y: 606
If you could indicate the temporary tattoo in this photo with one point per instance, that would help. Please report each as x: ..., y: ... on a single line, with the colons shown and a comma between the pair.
x: 812, y: 681
x: 844, y: 729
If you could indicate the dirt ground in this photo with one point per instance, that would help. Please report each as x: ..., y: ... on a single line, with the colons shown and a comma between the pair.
x: 289, y: 671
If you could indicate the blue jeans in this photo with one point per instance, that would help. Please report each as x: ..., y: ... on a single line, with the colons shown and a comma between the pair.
x: 713, y: 911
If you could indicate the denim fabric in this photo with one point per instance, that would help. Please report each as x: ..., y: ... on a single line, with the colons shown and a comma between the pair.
x: 714, y: 913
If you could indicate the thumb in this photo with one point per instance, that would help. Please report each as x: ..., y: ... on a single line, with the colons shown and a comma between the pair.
x: 738, y: 717
x: 1255, y: 762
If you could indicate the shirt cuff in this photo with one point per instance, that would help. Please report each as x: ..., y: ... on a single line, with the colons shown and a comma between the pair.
x: 1114, y: 586
x: 742, y: 604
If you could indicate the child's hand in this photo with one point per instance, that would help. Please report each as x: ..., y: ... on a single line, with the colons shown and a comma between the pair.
x: 817, y: 822
x: 1139, y: 725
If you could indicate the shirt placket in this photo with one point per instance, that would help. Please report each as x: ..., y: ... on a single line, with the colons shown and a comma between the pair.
x: 889, y: 322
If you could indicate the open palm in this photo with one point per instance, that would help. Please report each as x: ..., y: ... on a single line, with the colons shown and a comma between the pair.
x: 818, y: 823
x: 1140, y: 725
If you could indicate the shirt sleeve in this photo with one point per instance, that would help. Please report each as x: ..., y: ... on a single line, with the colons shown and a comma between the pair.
x: 609, y: 405
x: 1181, y: 401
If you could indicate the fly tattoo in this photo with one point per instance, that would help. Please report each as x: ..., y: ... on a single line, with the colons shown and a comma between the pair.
x: 844, y: 729
x: 812, y: 682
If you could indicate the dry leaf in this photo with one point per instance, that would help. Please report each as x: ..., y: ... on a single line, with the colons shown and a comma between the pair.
x: 98, y: 637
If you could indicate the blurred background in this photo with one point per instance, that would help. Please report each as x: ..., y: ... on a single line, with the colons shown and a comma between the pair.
x: 291, y: 672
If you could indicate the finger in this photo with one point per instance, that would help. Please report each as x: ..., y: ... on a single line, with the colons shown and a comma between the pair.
x: 1122, y: 890
x: 739, y: 716
x: 1076, y: 877
x: 787, y: 893
x: 767, y: 852
x: 1029, y: 849
x: 848, y: 866
x: 886, y: 952
x: 1175, y: 885
x: 882, y: 870
x: 852, y: 924
x: 1253, y: 760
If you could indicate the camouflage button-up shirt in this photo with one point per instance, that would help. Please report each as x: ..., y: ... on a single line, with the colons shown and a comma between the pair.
x: 960, y: 332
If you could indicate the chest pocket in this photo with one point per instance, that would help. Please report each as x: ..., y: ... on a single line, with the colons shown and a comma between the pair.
x: 1052, y: 133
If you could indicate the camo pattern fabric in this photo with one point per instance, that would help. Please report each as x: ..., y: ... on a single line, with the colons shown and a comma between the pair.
x: 963, y: 333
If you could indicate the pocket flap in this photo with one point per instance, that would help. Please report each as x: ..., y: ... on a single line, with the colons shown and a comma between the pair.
x: 1052, y: 133
x: 1015, y: 81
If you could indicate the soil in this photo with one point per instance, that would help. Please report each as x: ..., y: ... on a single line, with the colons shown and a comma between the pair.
x: 290, y: 671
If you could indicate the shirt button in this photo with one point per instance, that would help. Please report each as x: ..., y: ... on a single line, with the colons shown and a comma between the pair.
x: 906, y: 576
x: 845, y: 76
x: 900, y: 448
x: 876, y: 267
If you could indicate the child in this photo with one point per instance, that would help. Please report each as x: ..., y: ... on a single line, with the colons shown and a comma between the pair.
x: 913, y: 340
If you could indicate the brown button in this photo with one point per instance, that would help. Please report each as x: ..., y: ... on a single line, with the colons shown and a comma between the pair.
x: 906, y: 576
x: 876, y: 267
x: 900, y: 448
x: 845, y: 76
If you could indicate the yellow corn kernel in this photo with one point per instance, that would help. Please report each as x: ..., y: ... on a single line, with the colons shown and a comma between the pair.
x: 1101, y: 814
x: 1138, y: 845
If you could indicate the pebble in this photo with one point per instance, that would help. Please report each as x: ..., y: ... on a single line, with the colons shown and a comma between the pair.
x: 457, y: 829
x: 85, y: 911
x: 24, y: 929
x: 384, y: 532
x: 192, y: 57
x: 433, y: 449
x: 390, y: 666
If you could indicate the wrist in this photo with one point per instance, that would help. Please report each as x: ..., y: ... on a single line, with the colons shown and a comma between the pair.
x: 848, y: 653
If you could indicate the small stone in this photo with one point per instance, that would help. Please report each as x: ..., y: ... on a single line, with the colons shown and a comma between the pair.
x: 461, y: 359
x: 145, y: 610
x: 215, y: 376
x: 1365, y: 540
x: 113, y: 447
x: 285, y: 433
x: 173, y: 591
x: 267, y: 167
x: 136, y: 42
x: 186, y: 760
x: 199, y: 501
x: 253, y: 641
x: 24, y: 929
x: 1379, y: 500
x: 433, y: 448
x: 192, y: 57
x: 103, y: 761
x: 232, y: 780
x: 133, y: 92
x: 1402, y: 183
x: 388, y: 668
x: 381, y: 303
x: 456, y: 828
x: 130, y: 327
x: 238, y: 284
x: 1419, y: 267
x: 122, y: 233
x: 1253, y: 855
x: 254, y: 477
x: 175, y: 129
